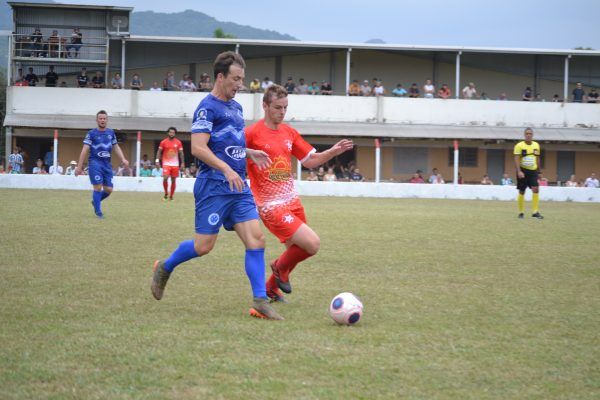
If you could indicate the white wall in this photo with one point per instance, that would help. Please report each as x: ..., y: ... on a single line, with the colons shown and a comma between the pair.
x: 305, y: 188
x: 66, y: 101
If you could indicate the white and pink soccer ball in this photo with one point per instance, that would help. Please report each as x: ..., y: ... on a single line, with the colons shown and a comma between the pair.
x: 346, y: 309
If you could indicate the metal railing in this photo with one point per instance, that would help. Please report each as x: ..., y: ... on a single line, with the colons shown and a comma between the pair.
x: 59, y: 47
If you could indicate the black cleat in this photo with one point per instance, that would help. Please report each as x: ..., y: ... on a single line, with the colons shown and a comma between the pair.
x: 275, y: 296
x: 537, y: 215
x: 286, y: 287
x: 521, y: 215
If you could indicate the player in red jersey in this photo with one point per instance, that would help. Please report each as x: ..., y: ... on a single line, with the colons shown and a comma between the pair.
x: 171, y: 150
x: 273, y: 188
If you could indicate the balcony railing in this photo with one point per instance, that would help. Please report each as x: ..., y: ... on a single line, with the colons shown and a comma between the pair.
x: 59, y: 48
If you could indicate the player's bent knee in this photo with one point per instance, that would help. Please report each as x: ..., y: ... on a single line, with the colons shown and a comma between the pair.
x: 313, y: 246
x: 203, y: 249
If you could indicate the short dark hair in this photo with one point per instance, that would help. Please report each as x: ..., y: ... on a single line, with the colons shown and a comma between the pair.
x: 101, y: 112
x: 172, y: 128
x: 225, y: 60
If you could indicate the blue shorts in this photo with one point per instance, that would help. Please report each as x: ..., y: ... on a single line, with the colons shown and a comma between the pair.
x: 217, y: 205
x: 101, y: 174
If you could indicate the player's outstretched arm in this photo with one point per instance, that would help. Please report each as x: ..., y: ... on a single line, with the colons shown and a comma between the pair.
x: 84, y: 153
x: 317, y: 159
x: 121, y: 155
x: 201, y: 151
x: 260, y: 158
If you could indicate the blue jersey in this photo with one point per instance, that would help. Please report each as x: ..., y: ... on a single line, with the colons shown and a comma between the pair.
x: 224, y: 121
x: 101, y: 143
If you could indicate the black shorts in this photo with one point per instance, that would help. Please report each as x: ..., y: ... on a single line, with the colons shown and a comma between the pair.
x: 530, y: 180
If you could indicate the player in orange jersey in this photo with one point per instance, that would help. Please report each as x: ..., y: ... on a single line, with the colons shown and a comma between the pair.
x: 171, y: 150
x: 278, y: 203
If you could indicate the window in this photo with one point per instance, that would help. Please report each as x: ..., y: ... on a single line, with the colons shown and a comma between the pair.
x: 467, y: 156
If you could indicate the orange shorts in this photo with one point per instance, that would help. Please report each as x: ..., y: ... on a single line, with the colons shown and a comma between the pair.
x: 283, y: 221
x: 171, y: 171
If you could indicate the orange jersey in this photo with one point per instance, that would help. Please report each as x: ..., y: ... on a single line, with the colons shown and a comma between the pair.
x: 275, y: 185
x: 170, y: 152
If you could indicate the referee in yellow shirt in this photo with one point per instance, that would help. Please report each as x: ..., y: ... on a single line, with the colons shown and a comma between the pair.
x: 527, y: 154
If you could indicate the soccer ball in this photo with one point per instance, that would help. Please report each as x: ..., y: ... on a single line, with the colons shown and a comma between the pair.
x: 346, y: 309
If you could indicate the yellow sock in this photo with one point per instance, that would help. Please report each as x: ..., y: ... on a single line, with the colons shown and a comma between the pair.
x: 535, y: 202
x: 521, y: 201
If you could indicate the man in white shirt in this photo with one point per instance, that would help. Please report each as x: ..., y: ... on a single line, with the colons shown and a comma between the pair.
x: 592, y: 182
x: 58, y: 170
x: 428, y: 89
x: 71, y: 168
x: 469, y: 92
x: 266, y: 83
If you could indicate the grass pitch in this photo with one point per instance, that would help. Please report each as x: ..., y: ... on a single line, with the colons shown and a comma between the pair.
x: 462, y: 301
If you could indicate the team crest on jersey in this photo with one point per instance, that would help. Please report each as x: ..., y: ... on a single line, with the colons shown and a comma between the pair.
x: 288, y: 144
x: 288, y: 218
x: 213, y: 219
x: 280, y: 170
x: 201, y: 113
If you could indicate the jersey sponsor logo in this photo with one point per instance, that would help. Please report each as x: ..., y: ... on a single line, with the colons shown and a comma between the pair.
x: 97, y: 178
x: 236, y: 152
x: 213, y: 219
x: 103, y: 154
x: 279, y: 171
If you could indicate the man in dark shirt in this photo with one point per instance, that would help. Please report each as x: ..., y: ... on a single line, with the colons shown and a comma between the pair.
x: 290, y: 85
x: 31, y: 78
x: 98, y: 80
x: 51, y: 77
x: 326, y: 89
x: 82, y: 78
x: 592, y: 96
x: 578, y: 93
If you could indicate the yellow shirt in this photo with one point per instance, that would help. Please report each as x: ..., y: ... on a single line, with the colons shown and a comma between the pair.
x: 254, y: 86
x: 528, y: 154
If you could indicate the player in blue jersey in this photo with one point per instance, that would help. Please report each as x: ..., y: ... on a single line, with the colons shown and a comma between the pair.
x: 222, y: 196
x: 99, y: 143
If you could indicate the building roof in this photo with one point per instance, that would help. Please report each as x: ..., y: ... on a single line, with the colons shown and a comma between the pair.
x: 374, y: 130
x: 17, y: 4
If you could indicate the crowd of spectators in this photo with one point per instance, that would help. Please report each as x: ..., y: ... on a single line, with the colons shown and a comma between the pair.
x: 55, y: 45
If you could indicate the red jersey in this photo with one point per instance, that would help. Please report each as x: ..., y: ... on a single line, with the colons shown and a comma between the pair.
x: 275, y: 185
x: 170, y: 152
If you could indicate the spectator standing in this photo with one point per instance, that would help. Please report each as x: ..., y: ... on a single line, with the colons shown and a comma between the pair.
x: 188, y: 85
x: 71, y: 168
x: 98, y: 80
x: 506, y: 180
x: 302, y: 87
x: 15, y: 162
x: 290, y: 86
x: 428, y: 89
x: 169, y: 82
x: 444, y: 92
x: 379, y: 89
x: 439, y: 179
x: 365, y: 89
x: 49, y: 157
x: 145, y: 162
x: 76, y: 43
x: 266, y: 83
x: 433, y: 176
x: 116, y: 82
x: 255, y: 86
x: 399, y: 91
x: 313, y: 88
x: 469, y: 92
x: 572, y: 182
x: 354, y: 88
x: 592, y: 96
x: 82, y: 78
x: 51, y: 77
x: 321, y: 174
x: 592, y: 181
x: 31, y: 78
x: 183, y: 81
x: 527, y: 94
x: 414, y: 91
x: 578, y: 93
x: 326, y: 89
x: 136, y: 82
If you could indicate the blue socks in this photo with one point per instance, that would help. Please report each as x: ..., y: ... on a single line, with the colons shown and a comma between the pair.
x: 255, y: 269
x: 104, y: 195
x: 96, y: 199
x: 184, y: 252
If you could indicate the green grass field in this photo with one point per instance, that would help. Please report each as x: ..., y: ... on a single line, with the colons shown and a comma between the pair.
x: 462, y: 301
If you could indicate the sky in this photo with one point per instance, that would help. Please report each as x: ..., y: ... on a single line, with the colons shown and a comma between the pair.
x: 550, y: 24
